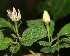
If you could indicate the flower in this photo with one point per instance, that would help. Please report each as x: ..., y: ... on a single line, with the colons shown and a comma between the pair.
x: 14, y: 16
x: 46, y: 17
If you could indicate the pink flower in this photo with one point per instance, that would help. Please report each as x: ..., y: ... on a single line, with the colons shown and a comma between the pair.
x: 14, y: 16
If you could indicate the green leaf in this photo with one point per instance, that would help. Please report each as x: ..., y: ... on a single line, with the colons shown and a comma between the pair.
x: 44, y: 43
x: 14, y: 48
x: 31, y: 35
x: 53, y: 49
x: 5, y: 42
x: 39, y: 22
x: 52, y: 24
x: 64, y: 45
x: 35, y: 23
x: 5, y: 23
x: 61, y: 45
x: 35, y: 32
x: 48, y: 50
x: 65, y: 40
x: 57, y: 47
x: 65, y: 30
x: 60, y: 8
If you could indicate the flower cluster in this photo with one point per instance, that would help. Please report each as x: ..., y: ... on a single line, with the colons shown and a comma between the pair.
x: 14, y: 16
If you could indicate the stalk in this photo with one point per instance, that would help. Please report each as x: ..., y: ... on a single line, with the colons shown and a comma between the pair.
x: 49, y: 35
x: 31, y: 51
x: 48, y: 30
x: 16, y: 30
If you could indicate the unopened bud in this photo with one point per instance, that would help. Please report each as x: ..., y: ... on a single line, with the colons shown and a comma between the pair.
x: 46, y: 17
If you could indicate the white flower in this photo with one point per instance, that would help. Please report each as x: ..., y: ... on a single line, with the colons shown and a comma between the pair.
x: 14, y: 16
x: 46, y: 17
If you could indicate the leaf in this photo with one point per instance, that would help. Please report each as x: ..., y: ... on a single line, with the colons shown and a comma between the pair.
x: 5, y: 23
x: 33, y: 34
x: 57, y: 47
x: 65, y: 40
x: 44, y: 43
x: 60, y: 8
x: 65, y: 30
x: 64, y: 45
x: 39, y: 22
x: 47, y: 50
x: 14, y: 48
x: 35, y: 23
x: 52, y: 24
x: 5, y: 42
x: 61, y: 45
x: 35, y: 31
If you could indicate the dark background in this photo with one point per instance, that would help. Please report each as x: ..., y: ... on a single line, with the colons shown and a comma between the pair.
x: 28, y: 9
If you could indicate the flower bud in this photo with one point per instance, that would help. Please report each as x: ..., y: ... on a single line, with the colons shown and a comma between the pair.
x: 46, y: 17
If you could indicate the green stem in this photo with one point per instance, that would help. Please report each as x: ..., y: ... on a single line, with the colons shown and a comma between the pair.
x: 16, y: 29
x: 31, y: 51
x: 48, y: 30
x: 49, y: 35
